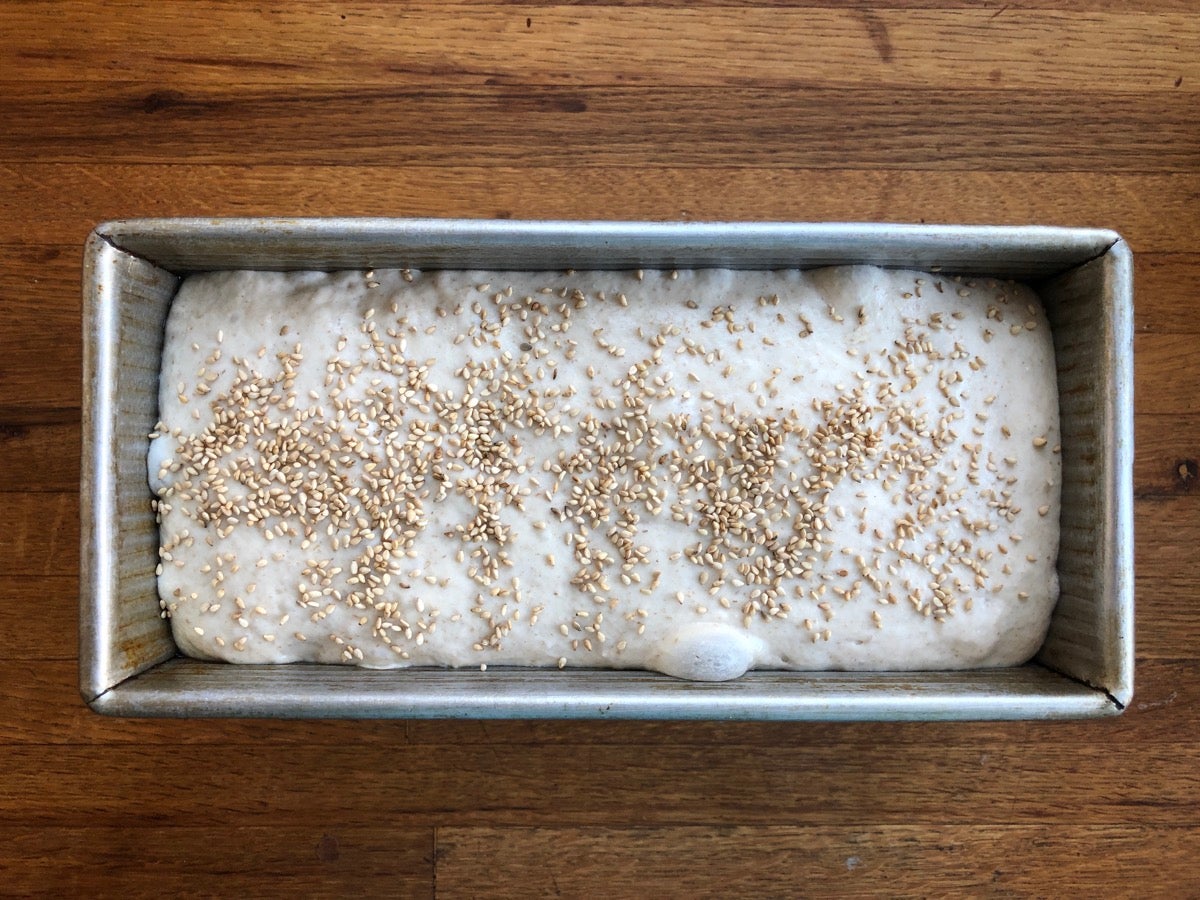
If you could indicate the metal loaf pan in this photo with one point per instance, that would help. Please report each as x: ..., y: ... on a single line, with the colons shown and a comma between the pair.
x: 129, y: 664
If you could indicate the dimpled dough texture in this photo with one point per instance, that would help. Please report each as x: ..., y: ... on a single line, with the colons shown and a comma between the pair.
x: 696, y: 472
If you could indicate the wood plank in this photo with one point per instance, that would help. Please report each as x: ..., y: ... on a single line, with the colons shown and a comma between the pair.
x: 217, y: 8
x: 39, y: 617
x: 995, y: 7
x: 26, y: 392
x: 39, y: 701
x: 644, y: 783
x: 903, y: 128
x: 41, y: 362
x: 1165, y: 296
x: 41, y: 533
x: 1167, y: 623
x: 911, y: 860
x: 41, y: 282
x: 50, y: 204
x: 334, y: 858
x: 1167, y: 456
x: 39, y: 449
x: 1167, y: 532
x: 1167, y: 368
x: 554, y: 44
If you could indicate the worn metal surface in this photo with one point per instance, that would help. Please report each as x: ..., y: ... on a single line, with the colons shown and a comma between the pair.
x: 1086, y: 666
x: 192, y: 688
x: 1091, y: 316
x: 188, y: 245
x: 125, y: 303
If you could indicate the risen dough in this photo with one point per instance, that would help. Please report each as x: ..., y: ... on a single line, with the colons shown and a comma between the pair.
x: 696, y: 472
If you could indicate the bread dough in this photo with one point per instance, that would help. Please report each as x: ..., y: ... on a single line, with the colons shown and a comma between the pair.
x: 696, y: 472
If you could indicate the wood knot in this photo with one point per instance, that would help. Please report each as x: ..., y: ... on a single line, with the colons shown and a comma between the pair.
x: 156, y: 101
x: 327, y: 848
x: 10, y: 432
x: 1187, y: 471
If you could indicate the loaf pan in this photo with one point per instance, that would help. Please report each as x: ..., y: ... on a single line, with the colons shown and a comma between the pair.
x: 129, y: 665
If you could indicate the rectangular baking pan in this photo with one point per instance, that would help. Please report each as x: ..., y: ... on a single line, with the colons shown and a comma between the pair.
x: 129, y: 665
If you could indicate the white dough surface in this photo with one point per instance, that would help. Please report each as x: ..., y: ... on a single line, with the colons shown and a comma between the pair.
x: 695, y: 472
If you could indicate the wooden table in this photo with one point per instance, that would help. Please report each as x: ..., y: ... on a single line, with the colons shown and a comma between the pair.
x: 1051, y: 111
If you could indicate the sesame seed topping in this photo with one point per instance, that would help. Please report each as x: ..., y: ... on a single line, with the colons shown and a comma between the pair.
x: 667, y: 463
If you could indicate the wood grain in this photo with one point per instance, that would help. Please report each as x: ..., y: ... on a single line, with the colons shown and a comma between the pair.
x: 1167, y: 457
x: 41, y: 534
x: 1164, y: 301
x: 561, y: 44
x: 1073, y: 112
x: 330, y: 858
x: 603, y: 125
x: 655, y: 783
x: 1166, y: 381
x: 1000, y: 860
x: 51, y: 207
x: 39, y: 618
x: 39, y: 448
x: 1166, y: 620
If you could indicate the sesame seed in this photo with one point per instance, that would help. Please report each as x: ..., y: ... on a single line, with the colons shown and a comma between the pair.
x: 352, y: 474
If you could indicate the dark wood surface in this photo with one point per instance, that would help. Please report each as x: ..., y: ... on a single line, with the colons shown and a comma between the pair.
x: 1074, y: 112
